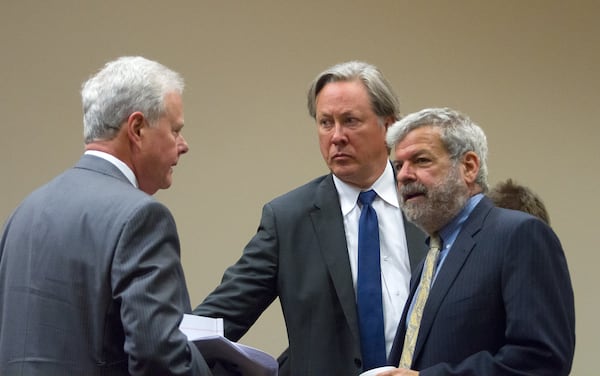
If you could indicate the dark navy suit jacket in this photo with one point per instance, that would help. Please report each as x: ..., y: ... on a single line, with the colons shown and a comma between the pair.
x: 502, y: 303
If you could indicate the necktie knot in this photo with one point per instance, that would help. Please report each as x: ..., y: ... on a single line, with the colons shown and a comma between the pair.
x: 366, y: 198
x: 435, y: 241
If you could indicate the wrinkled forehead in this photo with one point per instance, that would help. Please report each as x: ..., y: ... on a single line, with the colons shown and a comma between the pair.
x: 425, y: 139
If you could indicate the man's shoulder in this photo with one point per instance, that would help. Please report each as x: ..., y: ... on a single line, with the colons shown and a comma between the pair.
x: 90, y: 188
x: 509, y: 217
x: 502, y: 223
x: 307, y: 190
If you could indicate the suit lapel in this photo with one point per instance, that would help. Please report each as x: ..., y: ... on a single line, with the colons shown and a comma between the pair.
x: 415, y: 241
x: 329, y: 227
x: 457, y: 256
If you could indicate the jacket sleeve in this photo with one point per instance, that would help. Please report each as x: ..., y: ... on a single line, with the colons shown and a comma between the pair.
x: 147, y: 279
x: 248, y: 287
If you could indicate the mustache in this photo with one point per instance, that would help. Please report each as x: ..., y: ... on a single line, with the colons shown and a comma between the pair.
x: 412, y: 189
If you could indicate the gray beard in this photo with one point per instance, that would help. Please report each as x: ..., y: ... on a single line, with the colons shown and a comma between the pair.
x: 442, y: 202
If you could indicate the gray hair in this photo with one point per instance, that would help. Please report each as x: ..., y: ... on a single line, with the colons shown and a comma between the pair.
x: 383, y: 99
x: 459, y: 135
x: 124, y: 86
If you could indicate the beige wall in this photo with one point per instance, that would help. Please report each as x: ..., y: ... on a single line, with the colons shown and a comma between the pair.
x: 527, y: 71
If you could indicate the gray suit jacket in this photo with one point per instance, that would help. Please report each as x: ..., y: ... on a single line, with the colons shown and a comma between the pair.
x: 502, y: 302
x: 91, y: 281
x: 299, y: 254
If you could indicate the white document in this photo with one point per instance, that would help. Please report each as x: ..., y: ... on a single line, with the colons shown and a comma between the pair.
x: 207, y: 334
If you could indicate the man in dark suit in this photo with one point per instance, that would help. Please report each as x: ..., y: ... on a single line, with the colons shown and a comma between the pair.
x: 501, y: 301
x: 305, y: 249
x: 90, y: 275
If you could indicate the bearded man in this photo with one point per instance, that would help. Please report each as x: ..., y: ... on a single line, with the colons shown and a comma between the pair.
x: 497, y: 298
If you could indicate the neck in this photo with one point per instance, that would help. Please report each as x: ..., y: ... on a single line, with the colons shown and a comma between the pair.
x: 113, y: 148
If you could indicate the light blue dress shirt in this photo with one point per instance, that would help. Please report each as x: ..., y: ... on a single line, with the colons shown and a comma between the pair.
x: 448, y: 235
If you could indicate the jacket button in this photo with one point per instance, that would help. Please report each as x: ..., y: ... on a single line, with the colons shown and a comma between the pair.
x: 358, y: 362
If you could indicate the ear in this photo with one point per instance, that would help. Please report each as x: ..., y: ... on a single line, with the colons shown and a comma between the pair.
x: 135, y: 123
x: 388, y: 121
x: 470, y: 166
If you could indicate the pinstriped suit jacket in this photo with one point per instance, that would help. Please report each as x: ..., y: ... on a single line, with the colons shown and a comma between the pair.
x: 502, y: 303
x: 91, y: 281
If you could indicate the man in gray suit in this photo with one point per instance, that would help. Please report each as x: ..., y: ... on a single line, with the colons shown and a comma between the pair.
x: 305, y: 250
x: 90, y: 276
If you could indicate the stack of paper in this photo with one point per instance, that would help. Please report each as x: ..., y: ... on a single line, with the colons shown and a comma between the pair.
x: 207, y: 335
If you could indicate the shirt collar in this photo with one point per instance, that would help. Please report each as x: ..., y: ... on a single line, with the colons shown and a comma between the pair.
x: 449, y: 232
x: 384, y: 186
x: 118, y: 164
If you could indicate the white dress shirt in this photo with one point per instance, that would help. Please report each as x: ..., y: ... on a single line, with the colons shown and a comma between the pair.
x: 395, y: 264
x: 118, y: 164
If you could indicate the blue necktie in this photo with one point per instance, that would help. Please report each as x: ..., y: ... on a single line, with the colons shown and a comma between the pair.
x: 370, y: 310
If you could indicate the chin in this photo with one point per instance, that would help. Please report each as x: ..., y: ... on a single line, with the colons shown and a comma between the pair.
x: 343, y: 170
x: 415, y: 214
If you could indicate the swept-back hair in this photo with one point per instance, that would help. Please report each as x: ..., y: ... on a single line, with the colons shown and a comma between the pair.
x: 383, y: 99
x: 125, y: 85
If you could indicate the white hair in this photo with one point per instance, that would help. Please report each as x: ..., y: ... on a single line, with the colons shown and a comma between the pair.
x: 125, y: 85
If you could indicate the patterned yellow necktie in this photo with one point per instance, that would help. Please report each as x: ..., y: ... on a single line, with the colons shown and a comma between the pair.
x: 412, y: 331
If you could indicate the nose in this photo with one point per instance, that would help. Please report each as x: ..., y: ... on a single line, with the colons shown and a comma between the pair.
x: 405, y: 173
x: 339, y: 135
x: 182, y: 145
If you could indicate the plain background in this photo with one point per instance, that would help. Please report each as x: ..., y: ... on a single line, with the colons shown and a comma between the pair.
x: 526, y: 71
